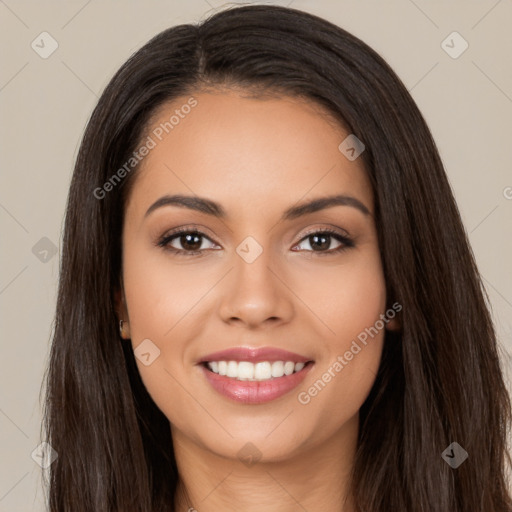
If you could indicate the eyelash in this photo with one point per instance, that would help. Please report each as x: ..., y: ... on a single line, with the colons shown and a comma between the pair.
x: 346, y: 242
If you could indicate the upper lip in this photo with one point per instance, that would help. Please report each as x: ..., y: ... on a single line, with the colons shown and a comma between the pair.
x: 254, y: 355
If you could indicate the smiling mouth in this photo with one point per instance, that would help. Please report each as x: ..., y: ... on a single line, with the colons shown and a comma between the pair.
x: 258, y: 372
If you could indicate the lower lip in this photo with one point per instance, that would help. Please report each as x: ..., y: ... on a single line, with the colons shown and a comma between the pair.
x: 255, y: 392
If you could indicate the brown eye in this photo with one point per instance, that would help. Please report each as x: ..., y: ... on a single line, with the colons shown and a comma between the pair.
x: 190, y: 241
x: 185, y: 241
x: 320, y: 242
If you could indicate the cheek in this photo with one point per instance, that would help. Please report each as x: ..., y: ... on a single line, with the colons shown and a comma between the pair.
x: 353, y: 299
x: 163, y: 297
x: 160, y: 292
x: 346, y: 298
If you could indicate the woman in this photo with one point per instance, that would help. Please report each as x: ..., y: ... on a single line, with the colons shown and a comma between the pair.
x: 267, y: 298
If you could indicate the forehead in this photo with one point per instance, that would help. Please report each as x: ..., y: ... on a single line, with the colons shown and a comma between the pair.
x: 247, y: 152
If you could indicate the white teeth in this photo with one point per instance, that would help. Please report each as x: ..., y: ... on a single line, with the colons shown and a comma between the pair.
x: 299, y: 366
x: 277, y: 369
x: 232, y: 369
x: 262, y: 371
x: 289, y: 367
x: 244, y: 370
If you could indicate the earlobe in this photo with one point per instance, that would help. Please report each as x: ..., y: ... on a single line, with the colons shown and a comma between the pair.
x: 124, y: 329
x: 394, y: 316
x: 122, y: 313
x: 394, y: 322
x: 394, y: 325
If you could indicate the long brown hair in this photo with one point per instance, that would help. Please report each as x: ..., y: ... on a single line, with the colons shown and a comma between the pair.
x: 440, y: 379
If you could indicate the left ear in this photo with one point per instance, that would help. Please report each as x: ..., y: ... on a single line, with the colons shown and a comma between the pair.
x: 122, y: 312
x: 394, y: 324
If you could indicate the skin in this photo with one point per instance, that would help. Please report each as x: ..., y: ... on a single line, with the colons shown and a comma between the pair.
x: 256, y: 157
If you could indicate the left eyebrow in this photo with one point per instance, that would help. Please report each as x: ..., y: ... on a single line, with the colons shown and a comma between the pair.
x: 210, y: 207
x: 321, y: 203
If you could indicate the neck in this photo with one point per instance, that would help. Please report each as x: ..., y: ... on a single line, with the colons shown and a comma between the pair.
x: 316, y: 478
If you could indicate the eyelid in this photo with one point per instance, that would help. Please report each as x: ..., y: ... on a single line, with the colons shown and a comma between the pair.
x: 330, y: 229
x: 188, y: 228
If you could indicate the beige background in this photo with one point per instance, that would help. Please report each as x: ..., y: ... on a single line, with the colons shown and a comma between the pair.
x: 45, y: 104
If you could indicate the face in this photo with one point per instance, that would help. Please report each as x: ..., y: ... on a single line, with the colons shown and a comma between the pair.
x: 265, y: 274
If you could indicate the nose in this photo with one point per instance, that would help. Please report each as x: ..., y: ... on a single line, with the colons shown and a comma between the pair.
x: 255, y: 294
